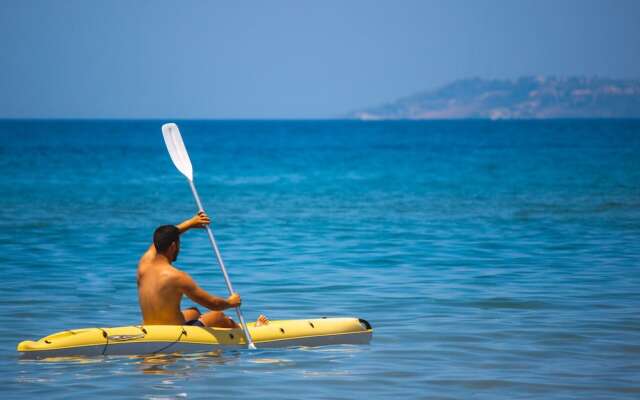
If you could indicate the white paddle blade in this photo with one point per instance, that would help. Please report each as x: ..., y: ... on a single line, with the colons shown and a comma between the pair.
x: 177, y: 151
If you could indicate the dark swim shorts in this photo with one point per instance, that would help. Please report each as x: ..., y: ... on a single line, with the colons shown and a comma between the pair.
x: 194, y: 322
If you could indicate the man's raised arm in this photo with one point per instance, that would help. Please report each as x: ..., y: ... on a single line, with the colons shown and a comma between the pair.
x: 197, y: 221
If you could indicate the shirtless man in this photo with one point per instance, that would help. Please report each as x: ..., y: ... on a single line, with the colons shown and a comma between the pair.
x: 161, y: 285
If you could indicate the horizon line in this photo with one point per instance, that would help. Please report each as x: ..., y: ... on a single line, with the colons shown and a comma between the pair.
x: 328, y: 119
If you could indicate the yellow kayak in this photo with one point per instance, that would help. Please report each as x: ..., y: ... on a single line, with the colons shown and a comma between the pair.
x: 162, y: 339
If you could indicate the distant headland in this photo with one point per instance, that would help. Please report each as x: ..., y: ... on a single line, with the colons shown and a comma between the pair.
x: 523, y: 98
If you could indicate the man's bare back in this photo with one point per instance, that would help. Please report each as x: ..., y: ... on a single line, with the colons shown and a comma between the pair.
x: 161, y: 285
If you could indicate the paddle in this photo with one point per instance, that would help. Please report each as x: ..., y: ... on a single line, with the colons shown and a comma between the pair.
x: 180, y: 158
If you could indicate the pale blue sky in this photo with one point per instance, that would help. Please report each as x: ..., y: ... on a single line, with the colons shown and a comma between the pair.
x: 289, y: 59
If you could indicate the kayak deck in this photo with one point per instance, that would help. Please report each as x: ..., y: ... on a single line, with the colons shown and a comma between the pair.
x: 162, y: 339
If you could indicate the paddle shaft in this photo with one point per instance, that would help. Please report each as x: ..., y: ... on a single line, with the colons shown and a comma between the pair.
x: 214, y: 244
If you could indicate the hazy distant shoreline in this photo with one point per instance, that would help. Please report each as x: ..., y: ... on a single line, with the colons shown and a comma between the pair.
x: 524, y: 98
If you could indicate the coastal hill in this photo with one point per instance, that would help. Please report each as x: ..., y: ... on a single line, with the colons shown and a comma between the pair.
x: 527, y: 97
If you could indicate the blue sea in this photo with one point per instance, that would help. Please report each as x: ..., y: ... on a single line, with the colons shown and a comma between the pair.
x: 495, y: 260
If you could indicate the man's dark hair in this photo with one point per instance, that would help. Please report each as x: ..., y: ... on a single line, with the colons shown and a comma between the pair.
x: 164, y: 236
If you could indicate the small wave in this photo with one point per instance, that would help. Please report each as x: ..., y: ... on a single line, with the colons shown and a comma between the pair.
x: 508, y: 303
x: 256, y: 180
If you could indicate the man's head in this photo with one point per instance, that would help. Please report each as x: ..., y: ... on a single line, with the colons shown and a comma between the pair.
x: 166, y: 240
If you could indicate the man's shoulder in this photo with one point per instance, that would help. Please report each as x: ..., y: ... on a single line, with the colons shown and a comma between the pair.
x: 175, y: 269
x: 158, y: 268
x: 174, y: 273
x: 146, y: 261
x: 180, y: 277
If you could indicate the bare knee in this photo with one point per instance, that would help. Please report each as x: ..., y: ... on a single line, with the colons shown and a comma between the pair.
x: 191, y: 313
x: 217, y: 319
